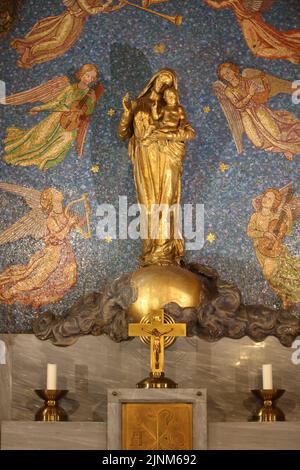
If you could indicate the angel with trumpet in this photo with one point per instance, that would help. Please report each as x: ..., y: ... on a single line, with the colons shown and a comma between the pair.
x: 52, y: 271
x: 276, y: 212
x: 244, y: 96
x: 262, y: 39
x: 69, y: 107
x: 53, y: 36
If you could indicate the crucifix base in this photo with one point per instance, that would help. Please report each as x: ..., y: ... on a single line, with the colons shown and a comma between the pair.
x: 157, y: 380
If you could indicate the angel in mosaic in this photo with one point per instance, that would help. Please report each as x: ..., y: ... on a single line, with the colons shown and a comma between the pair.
x: 262, y: 39
x: 51, y: 272
x: 276, y: 212
x: 244, y: 98
x: 53, y: 36
x: 69, y: 108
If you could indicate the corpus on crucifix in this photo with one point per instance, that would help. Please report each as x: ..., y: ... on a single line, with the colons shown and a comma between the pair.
x: 158, y: 331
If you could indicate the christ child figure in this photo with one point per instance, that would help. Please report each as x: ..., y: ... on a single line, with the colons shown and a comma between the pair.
x: 169, y: 117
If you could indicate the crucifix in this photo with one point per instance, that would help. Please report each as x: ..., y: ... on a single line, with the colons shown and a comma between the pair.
x: 157, y: 330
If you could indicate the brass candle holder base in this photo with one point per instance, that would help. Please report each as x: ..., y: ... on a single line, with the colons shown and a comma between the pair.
x: 269, y: 411
x: 51, y: 411
x: 157, y: 381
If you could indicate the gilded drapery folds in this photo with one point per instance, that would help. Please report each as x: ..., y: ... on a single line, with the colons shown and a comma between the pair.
x: 157, y: 129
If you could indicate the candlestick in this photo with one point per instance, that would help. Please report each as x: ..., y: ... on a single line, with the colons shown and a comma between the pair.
x: 269, y: 410
x: 51, y: 411
x: 267, y: 377
x: 51, y: 376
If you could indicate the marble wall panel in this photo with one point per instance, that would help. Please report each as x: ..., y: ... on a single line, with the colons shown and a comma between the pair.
x: 228, y: 370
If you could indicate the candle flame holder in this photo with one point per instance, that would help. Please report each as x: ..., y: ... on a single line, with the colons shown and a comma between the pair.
x: 268, y: 412
x: 51, y: 411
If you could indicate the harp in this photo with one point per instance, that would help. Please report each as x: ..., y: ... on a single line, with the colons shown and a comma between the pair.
x: 81, y: 209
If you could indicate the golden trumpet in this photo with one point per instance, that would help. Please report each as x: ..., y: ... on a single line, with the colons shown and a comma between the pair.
x: 177, y: 20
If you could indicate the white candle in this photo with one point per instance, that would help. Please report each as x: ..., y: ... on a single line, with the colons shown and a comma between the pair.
x: 267, y: 377
x: 51, y: 376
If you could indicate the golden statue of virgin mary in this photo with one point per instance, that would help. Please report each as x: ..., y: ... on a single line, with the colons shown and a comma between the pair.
x: 157, y: 129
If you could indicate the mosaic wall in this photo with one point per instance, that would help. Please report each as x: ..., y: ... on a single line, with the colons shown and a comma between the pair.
x: 128, y: 46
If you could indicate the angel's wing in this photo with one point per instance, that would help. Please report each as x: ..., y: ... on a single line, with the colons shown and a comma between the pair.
x: 232, y: 115
x: 276, y: 85
x: 33, y: 224
x: 46, y: 92
x: 258, y: 5
x: 31, y: 196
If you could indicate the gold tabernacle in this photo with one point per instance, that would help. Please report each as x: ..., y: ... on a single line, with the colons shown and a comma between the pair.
x: 157, y: 426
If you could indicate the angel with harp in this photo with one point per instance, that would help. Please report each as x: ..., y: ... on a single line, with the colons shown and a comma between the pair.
x: 53, y: 36
x: 52, y: 271
x: 244, y: 97
x: 262, y: 39
x: 69, y: 107
x: 276, y: 212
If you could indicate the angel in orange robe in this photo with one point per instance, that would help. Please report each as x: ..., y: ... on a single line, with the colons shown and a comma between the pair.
x: 52, y: 271
x: 69, y: 108
x: 262, y: 39
x: 53, y: 36
x: 276, y: 213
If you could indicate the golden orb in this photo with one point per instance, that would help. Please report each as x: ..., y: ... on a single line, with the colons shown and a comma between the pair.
x: 157, y: 286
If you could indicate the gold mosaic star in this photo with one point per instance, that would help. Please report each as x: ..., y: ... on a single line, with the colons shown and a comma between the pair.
x: 111, y: 112
x: 211, y: 237
x: 95, y: 169
x: 206, y: 109
x: 108, y: 239
x: 223, y: 167
x: 159, y: 48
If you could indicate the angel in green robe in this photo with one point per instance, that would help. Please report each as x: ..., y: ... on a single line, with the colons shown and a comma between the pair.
x: 69, y: 108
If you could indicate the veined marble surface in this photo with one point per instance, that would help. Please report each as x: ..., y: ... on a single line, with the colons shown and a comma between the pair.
x: 228, y: 370
x: 254, y: 436
x: 92, y: 436
x: 52, y: 436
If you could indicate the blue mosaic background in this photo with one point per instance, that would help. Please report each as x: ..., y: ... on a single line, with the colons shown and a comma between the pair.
x: 121, y: 45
